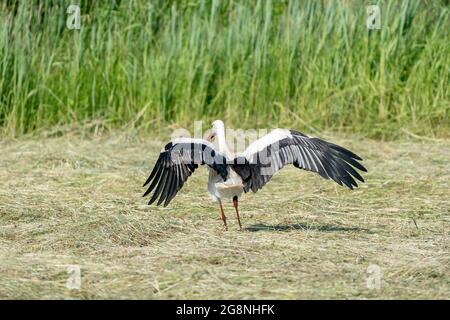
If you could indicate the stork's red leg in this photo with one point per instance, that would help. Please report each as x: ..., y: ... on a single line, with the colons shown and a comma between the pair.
x: 222, y: 214
x: 235, y: 205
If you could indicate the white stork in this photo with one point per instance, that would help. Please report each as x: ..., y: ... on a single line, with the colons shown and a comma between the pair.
x: 231, y: 175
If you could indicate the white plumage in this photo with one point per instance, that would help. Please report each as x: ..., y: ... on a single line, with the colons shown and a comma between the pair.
x: 230, y: 175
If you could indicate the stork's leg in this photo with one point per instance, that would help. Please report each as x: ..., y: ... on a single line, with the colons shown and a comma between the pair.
x: 235, y: 205
x: 222, y: 214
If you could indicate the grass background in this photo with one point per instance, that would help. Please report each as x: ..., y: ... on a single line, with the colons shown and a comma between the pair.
x: 82, y: 111
x: 253, y: 63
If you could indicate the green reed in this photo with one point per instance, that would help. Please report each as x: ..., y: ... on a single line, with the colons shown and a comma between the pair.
x: 259, y: 63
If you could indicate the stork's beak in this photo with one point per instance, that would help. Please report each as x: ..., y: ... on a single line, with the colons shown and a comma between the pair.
x: 211, y: 136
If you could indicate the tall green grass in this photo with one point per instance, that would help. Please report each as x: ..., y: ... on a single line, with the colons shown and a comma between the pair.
x: 252, y: 63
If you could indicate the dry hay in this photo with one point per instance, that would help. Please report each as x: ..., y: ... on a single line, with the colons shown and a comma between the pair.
x: 77, y: 201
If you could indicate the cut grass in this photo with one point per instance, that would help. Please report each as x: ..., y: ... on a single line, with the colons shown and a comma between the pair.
x: 264, y: 62
x: 73, y: 200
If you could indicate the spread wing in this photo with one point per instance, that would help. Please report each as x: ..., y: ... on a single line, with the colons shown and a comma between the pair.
x: 264, y: 157
x: 176, y: 162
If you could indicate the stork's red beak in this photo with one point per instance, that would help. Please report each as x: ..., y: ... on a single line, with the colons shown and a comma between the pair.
x: 211, y: 136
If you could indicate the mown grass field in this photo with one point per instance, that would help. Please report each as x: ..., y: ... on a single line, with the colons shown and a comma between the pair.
x: 76, y: 200
x: 81, y: 112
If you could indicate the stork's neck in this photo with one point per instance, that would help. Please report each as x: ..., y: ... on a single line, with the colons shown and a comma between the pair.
x: 223, y: 147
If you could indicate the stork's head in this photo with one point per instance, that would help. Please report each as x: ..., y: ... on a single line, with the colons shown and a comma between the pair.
x: 217, y: 128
